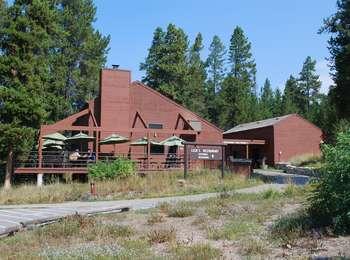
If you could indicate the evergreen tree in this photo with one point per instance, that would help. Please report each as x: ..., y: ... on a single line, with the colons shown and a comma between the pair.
x: 171, y: 67
x: 267, y: 100
x: 237, y: 103
x: 277, y: 108
x: 153, y: 76
x: 216, y: 74
x: 241, y: 60
x: 309, y: 83
x: 215, y: 63
x: 81, y: 54
x: 196, y: 78
x: 20, y: 114
x: 292, y: 97
x: 239, y: 93
x: 339, y: 46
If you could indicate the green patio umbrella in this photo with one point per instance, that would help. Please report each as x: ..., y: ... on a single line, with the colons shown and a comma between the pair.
x: 173, y: 141
x: 50, y: 143
x: 56, y: 147
x: 114, y: 139
x: 144, y: 141
x: 55, y: 136
x: 81, y: 137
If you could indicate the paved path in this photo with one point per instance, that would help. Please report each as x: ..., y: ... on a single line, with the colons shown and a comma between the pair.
x: 16, y: 217
x: 280, y: 177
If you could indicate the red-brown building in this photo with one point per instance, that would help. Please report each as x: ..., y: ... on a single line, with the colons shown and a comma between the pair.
x: 277, y: 139
x: 132, y: 110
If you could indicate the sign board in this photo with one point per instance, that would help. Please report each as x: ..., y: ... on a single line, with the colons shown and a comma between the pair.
x: 205, y: 152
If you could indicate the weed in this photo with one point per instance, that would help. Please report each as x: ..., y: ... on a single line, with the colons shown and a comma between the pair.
x: 291, y: 227
x: 270, y: 194
x: 161, y: 235
x: 196, y: 252
x: 253, y: 246
x: 233, y: 230
x: 154, y: 218
x: 181, y: 210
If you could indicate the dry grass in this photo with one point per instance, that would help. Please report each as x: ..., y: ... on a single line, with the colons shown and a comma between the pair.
x: 152, y: 185
x: 161, y: 235
x: 231, y: 227
x: 307, y: 160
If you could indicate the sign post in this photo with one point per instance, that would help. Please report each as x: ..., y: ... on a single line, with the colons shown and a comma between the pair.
x: 203, y: 151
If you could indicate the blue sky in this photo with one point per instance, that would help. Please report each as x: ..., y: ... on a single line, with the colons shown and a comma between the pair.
x: 282, y: 33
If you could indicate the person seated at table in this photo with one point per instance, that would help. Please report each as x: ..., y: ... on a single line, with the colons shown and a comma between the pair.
x: 74, y: 156
x: 91, y: 157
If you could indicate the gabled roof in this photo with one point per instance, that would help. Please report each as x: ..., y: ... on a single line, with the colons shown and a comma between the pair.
x: 196, y: 116
x: 257, y: 124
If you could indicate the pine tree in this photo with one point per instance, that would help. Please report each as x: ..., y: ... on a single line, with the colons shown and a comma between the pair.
x: 277, y: 108
x: 171, y: 68
x: 239, y: 88
x: 20, y: 114
x: 267, y: 100
x: 292, y: 98
x: 339, y: 46
x: 196, y: 78
x: 81, y: 54
x: 237, y: 103
x: 215, y: 75
x: 241, y: 60
x: 309, y: 83
x: 153, y: 77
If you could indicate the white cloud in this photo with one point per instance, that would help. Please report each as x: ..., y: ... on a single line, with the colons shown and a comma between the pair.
x: 323, y: 70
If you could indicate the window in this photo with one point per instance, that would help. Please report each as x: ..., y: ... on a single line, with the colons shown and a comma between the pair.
x: 155, y: 126
x: 196, y: 125
x: 157, y: 149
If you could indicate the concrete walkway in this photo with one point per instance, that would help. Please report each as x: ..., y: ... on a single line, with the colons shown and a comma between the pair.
x: 17, y: 217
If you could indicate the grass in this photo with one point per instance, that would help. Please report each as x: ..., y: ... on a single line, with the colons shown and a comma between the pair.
x: 196, y: 252
x: 307, y: 160
x: 210, y: 229
x: 161, y: 235
x: 181, y: 210
x: 152, y: 185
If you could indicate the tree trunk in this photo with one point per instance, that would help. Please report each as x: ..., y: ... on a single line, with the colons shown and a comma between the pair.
x: 8, y: 173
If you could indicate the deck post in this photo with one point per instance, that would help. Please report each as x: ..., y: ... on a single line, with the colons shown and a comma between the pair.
x: 247, y: 151
x: 40, y: 151
x: 39, y: 179
x: 148, y: 150
x: 97, y: 144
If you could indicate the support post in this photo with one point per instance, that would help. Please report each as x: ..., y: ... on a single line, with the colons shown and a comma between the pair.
x: 97, y: 144
x: 247, y: 151
x: 148, y: 150
x: 223, y: 162
x: 185, y: 161
x: 39, y: 179
x: 40, y: 151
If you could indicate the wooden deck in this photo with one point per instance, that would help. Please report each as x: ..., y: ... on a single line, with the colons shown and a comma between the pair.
x: 36, y: 170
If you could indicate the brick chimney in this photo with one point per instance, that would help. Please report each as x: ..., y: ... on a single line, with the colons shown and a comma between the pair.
x: 114, y: 98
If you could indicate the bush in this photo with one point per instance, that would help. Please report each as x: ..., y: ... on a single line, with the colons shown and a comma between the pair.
x: 181, y: 210
x: 117, y: 169
x: 161, y: 235
x: 330, y: 199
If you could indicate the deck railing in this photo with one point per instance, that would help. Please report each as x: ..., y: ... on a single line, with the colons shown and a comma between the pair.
x: 71, y: 159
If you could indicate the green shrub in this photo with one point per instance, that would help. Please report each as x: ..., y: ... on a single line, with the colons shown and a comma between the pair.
x: 330, y: 199
x: 291, y: 227
x: 117, y: 169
